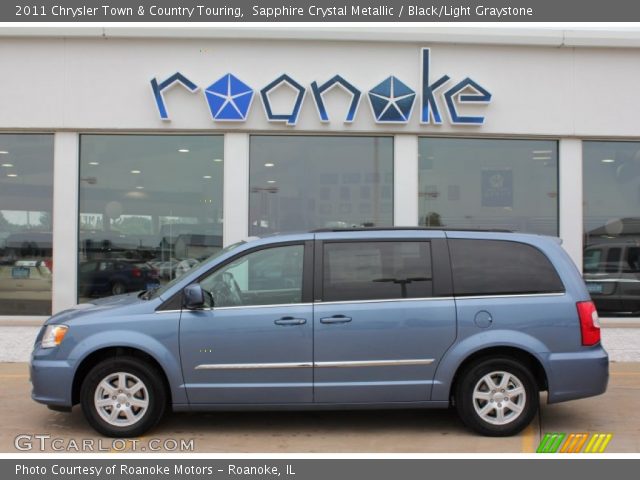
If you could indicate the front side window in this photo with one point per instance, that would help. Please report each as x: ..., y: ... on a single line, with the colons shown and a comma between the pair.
x: 150, y: 209
x: 376, y: 271
x: 489, y: 183
x: 26, y: 198
x: 298, y: 183
x: 497, y: 267
x: 272, y: 276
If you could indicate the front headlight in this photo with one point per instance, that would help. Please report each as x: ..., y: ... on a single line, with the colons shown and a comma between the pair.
x: 53, y: 335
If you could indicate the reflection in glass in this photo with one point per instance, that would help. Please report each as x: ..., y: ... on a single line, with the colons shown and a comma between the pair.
x: 26, y: 196
x: 150, y: 209
x: 611, y: 179
x: 489, y: 183
x: 272, y: 276
x: 304, y: 182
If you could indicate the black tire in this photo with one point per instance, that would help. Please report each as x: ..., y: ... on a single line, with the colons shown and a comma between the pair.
x: 118, y: 288
x: 474, y: 376
x: 135, y: 369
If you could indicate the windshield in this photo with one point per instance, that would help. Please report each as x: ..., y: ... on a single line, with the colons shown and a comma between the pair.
x: 149, y: 294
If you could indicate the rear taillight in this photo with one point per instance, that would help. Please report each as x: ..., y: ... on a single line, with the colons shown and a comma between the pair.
x: 589, y: 323
x: 136, y: 272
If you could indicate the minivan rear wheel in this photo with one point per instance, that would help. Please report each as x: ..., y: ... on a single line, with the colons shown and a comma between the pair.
x: 497, y: 397
x: 123, y: 397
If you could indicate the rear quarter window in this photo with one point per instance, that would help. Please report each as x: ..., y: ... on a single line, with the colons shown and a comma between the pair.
x: 498, y: 267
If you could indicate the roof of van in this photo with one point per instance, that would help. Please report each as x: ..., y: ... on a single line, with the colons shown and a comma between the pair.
x: 443, y: 229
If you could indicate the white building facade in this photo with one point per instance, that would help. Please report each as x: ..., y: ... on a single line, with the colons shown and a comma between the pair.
x: 124, y: 151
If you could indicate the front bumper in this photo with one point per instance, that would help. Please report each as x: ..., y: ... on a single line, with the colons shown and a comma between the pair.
x: 52, y: 382
x: 577, y: 374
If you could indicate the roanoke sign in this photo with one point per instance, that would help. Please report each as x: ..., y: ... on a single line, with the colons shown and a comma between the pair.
x: 391, y: 100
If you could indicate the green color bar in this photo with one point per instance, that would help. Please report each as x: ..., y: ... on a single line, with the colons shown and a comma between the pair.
x: 558, y: 442
x: 542, y: 448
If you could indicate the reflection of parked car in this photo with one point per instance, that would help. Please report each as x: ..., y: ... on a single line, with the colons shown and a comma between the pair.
x: 166, y: 269
x: 184, y: 266
x: 28, y: 280
x: 612, y: 275
x: 115, y: 277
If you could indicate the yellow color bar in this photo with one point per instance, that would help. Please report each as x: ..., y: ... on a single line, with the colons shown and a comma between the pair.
x: 598, y: 443
x: 607, y: 439
x: 591, y: 442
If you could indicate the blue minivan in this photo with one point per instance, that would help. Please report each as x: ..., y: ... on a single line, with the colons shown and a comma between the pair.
x: 335, y: 319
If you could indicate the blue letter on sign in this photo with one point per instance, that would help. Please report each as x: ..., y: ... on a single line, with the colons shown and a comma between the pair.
x: 429, y: 105
x: 318, y: 91
x: 158, y: 89
x: 290, y: 118
x: 480, y: 95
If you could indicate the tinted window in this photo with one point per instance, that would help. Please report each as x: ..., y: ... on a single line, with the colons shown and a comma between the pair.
x: 376, y: 270
x: 633, y: 260
x: 493, y: 267
x: 265, y: 277
x: 613, y: 261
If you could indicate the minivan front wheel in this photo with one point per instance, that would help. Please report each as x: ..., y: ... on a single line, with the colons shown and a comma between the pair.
x: 122, y: 397
x: 497, y: 397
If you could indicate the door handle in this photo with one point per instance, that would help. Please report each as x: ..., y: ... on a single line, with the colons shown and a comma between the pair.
x: 290, y: 321
x: 336, y: 319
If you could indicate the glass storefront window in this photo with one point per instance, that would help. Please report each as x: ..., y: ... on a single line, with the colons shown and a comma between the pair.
x: 489, y: 183
x: 611, y: 186
x: 306, y: 182
x: 26, y: 196
x: 150, y: 209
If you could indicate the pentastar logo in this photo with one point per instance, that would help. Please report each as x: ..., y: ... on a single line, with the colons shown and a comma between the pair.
x: 391, y: 100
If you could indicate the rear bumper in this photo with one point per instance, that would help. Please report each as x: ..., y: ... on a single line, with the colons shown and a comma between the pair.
x: 577, y: 374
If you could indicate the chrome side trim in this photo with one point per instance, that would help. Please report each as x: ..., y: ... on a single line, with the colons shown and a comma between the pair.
x: 279, y: 305
x: 611, y: 280
x: 515, y: 295
x: 244, y: 366
x: 356, y: 363
x: 420, y: 299
x: 375, y: 363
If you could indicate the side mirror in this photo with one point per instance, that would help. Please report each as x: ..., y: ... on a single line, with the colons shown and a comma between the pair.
x: 193, y: 297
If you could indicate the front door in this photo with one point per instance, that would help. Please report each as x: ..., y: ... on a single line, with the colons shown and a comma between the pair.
x: 255, y: 346
x: 381, y: 324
